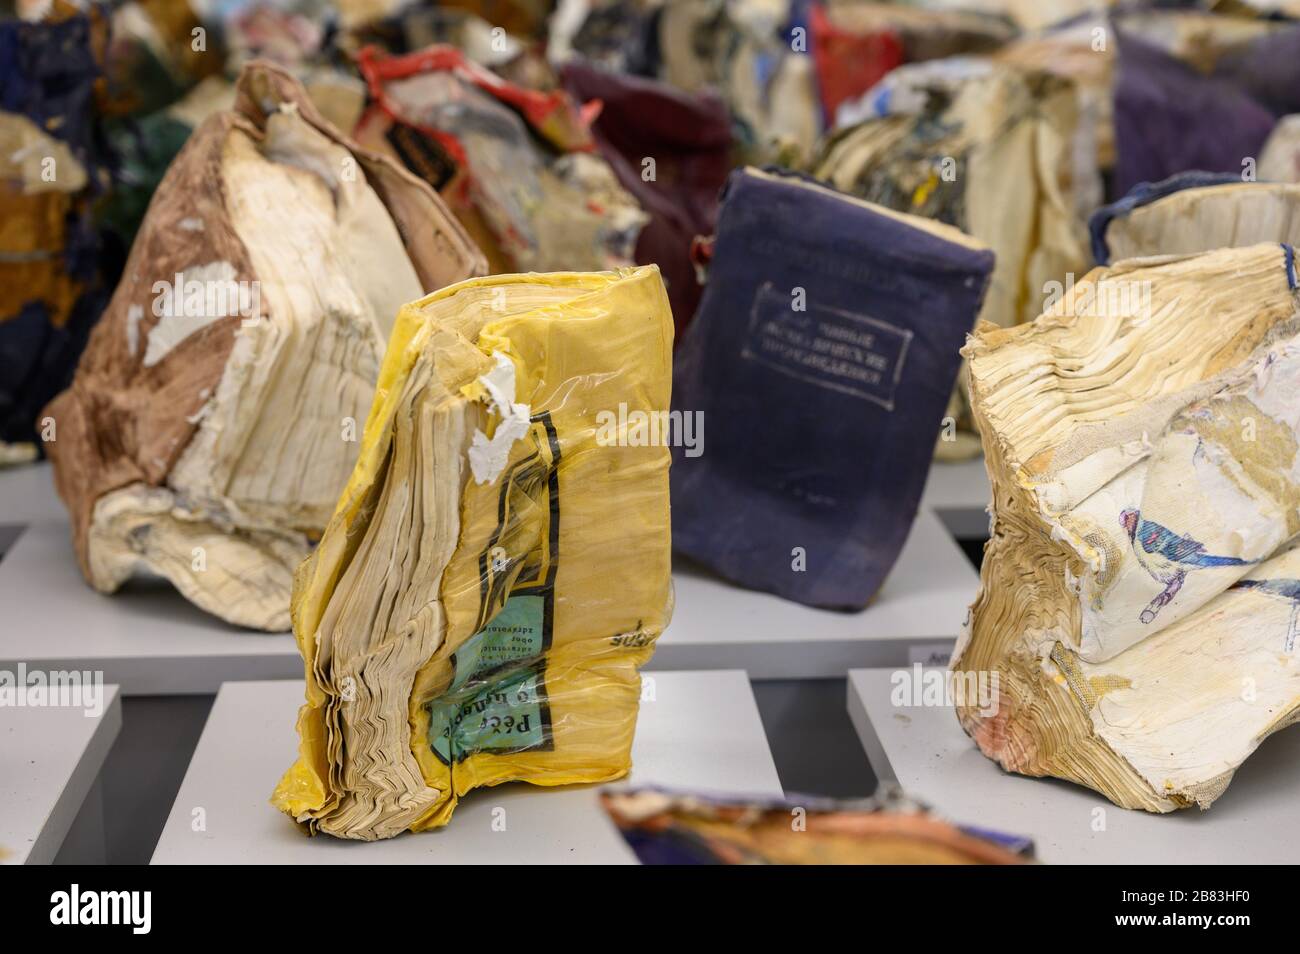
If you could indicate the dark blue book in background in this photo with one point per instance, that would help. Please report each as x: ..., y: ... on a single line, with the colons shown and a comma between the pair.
x: 821, y: 359
x: 48, y: 73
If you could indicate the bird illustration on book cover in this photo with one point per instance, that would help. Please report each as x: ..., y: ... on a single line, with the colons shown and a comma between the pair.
x: 1167, y: 557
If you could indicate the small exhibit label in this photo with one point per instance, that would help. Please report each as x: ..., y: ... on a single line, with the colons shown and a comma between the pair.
x: 930, y: 654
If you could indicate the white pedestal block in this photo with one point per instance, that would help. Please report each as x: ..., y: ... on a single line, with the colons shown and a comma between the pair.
x: 50, y: 757
x: 924, y: 750
x: 146, y: 638
x: 701, y: 730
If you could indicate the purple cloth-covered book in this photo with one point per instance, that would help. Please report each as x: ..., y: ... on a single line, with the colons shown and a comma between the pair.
x: 1169, y: 119
x: 820, y: 363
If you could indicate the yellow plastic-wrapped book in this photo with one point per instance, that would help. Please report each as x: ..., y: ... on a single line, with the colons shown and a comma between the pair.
x: 497, y: 568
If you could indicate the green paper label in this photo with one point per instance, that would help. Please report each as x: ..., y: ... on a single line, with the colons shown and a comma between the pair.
x: 505, y: 716
x: 497, y: 699
x: 516, y: 633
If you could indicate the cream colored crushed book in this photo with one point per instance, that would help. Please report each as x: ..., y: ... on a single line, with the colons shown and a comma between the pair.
x: 1192, y: 219
x: 1139, y: 605
x: 217, y: 410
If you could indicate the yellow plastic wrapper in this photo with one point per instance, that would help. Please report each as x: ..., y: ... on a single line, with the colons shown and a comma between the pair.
x: 497, y: 568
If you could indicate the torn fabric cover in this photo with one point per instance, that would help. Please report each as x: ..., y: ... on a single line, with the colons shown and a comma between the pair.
x: 216, y: 411
x: 821, y: 362
x: 686, y: 139
x: 849, y: 61
x: 498, y: 567
x: 517, y: 166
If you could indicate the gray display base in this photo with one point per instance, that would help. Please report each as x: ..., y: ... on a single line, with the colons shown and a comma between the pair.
x: 50, y: 758
x: 960, y: 494
x: 27, y: 493
x: 926, y: 752
x: 918, y: 612
x: 957, y: 485
x: 701, y: 730
x: 146, y: 638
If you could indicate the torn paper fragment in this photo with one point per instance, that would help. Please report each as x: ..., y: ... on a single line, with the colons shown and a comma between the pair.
x: 488, y: 455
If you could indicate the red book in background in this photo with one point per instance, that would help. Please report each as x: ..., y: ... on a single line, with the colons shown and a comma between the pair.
x: 849, y: 62
x: 688, y: 138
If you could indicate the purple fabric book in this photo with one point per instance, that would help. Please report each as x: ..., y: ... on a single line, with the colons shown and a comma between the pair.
x: 820, y: 363
x: 1169, y: 119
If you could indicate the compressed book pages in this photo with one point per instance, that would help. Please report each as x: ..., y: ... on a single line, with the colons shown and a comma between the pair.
x: 1280, y: 159
x: 217, y: 410
x: 498, y: 566
x: 996, y: 151
x: 675, y: 828
x: 1070, y: 50
x: 1195, y: 212
x: 1035, y: 15
x: 1137, y: 618
x: 811, y: 386
x: 741, y: 51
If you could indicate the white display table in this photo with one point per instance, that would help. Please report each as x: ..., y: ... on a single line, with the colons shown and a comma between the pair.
x: 50, y: 758
x: 27, y: 493
x: 147, y: 638
x: 151, y: 641
x: 925, y: 751
x: 919, y: 611
x: 701, y: 731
